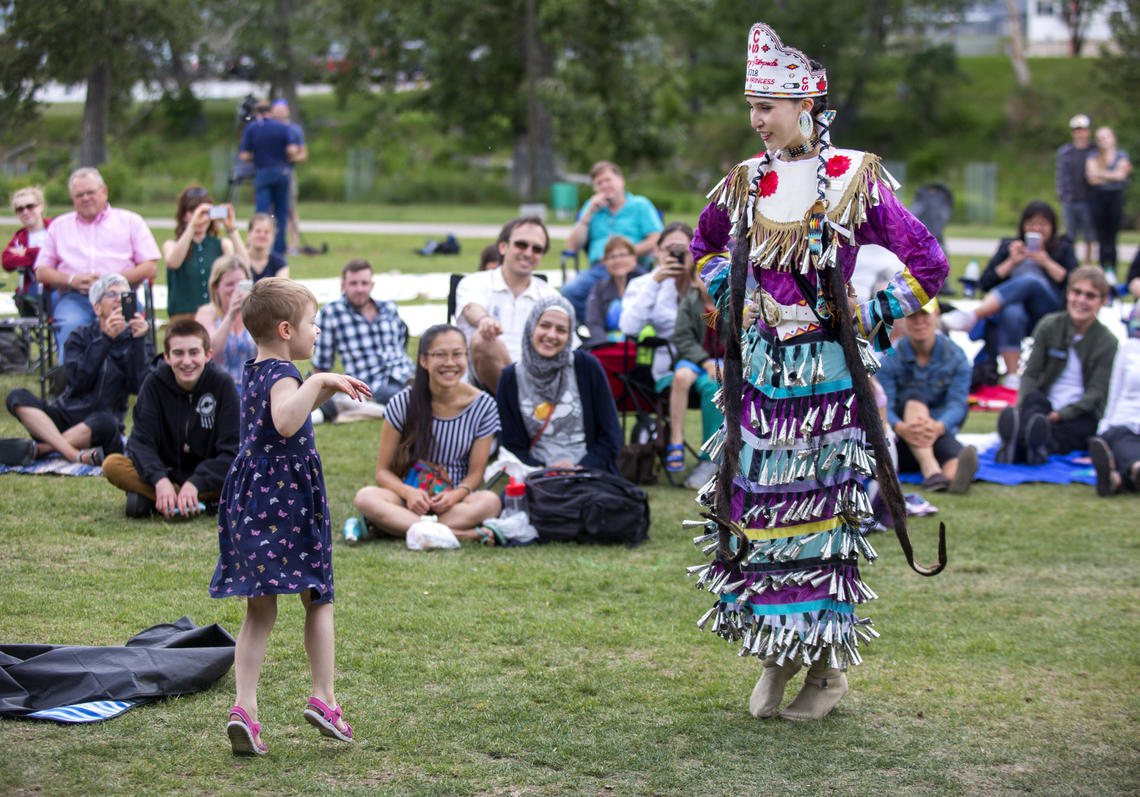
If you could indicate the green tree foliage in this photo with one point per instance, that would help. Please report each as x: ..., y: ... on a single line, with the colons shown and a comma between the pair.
x: 110, y: 44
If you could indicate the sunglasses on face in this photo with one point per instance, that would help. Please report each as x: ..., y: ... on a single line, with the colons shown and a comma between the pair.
x: 22, y: 208
x: 195, y: 193
x: 522, y: 246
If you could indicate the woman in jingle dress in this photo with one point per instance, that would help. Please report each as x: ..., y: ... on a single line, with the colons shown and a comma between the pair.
x: 787, y: 509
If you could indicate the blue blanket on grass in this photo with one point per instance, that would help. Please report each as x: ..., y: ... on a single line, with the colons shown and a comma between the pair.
x: 1059, y: 469
x: 57, y: 465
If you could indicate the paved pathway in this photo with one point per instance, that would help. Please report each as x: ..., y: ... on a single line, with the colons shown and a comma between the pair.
x: 976, y: 247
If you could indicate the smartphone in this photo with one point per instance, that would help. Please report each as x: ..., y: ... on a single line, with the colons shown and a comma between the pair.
x: 130, y: 306
x: 219, y: 212
x: 678, y: 253
x: 1033, y: 241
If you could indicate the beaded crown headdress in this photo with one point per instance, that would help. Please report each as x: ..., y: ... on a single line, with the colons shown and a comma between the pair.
x: 775, y: 70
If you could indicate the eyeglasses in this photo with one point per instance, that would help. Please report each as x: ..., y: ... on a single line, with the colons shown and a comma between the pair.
x: 447, y: 356
x: 1092, y: 296
x: 22, y: 208
x: 522, y: 246
x: 615, y: 255
x: 114, y: 294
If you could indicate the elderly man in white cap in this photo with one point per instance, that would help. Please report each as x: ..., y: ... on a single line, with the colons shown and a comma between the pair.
x: 106, y: 362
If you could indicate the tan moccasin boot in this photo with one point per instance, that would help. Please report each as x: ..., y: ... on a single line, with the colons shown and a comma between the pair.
x: 769, y: 690
x: 823, y: 687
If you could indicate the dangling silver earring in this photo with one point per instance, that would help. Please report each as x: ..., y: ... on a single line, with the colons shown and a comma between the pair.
x: 806, y: 125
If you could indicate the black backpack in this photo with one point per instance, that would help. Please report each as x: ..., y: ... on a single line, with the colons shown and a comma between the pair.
x: 587, y: 506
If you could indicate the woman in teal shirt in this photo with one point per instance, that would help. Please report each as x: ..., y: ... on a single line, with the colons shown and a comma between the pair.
x: 195, y: 247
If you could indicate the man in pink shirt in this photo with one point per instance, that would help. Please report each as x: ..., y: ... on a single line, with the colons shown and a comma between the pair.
x: 82, y: 246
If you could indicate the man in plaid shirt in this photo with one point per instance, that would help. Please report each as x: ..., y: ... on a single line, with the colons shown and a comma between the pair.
x: 369, y: 336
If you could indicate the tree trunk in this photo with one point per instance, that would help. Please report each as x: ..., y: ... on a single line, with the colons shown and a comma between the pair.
x: 1016, y: 43
x: 875, y: 40
x: 1074, y: 16
x: 538, y: 159
x: 93, y: 143
x: 285, y: 75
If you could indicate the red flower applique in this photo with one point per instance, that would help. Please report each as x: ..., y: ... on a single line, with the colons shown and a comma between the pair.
x: 838, y: 165
x: 768, y: 184
x: 821, y: 84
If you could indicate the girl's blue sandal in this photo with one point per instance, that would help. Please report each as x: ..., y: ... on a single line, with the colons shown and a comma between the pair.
x: 325, y: 720
x: 675, y: 458
x: 245, y: 735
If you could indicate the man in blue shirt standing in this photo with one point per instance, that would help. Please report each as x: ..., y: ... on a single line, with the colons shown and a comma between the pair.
x: 272, y: 147
x: 610, y: 211
x: 927, y: 382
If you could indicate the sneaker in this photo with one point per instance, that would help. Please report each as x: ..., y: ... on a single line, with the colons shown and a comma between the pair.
x: 1103, y: 464
x: 353, y: 530
x: 138, y: 505
x: 1036, y: 438
x: 17, y: 452
x: 967, y: 467
x: 700, y: 475
x: 959, y: 320
x: 1009, y: 423
x: 1011, y: 382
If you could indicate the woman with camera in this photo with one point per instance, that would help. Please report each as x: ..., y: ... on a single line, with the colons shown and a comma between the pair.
x: 651, y: 300
x: 229, y: 284
x: 1026, y: 281
x: 196, y: 245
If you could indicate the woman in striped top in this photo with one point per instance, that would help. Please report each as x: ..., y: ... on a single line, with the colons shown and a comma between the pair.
x: 434, y: 445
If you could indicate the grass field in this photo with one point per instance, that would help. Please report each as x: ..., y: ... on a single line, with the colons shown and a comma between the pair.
x: 555, y: 670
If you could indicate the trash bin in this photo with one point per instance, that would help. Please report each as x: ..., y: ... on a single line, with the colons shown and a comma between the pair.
x: 564, y: 200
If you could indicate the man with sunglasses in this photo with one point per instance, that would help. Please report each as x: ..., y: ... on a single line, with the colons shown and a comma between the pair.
x: 493, y: 305
x: 1064, y: 387
x: 81, y: 246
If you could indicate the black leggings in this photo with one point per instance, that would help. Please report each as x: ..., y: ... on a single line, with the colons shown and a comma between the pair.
x: 1125, y: 445
x: 106, y: 428
x: 1107, y: 210
x: 1064, y: 436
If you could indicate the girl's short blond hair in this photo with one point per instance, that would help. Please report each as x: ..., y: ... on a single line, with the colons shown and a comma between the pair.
x: 223, y: 266
x: 273, y: 300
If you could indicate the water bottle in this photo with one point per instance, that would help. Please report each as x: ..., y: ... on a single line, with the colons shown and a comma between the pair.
x: 514, y: 499
x: 970, y: 279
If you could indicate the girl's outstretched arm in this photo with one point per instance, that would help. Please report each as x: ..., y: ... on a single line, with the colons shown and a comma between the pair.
x: 292, y: 403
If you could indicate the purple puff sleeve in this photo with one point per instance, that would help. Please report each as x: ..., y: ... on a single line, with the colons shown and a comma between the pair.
x: 893, y: 227
x: 710, y: 248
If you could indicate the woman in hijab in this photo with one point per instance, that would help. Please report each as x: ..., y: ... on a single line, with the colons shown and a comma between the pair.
x: 555, y: 405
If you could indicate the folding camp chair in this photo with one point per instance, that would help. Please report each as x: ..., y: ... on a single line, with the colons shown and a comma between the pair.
x: 628, y: 369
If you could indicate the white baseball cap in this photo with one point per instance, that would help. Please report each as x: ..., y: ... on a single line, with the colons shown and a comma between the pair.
x: 1079, y: 121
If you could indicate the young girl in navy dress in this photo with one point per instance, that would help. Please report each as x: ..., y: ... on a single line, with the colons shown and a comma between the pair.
x: 273, y: 530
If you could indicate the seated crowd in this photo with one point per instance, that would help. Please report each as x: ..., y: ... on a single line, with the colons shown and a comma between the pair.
x: 514, y: 377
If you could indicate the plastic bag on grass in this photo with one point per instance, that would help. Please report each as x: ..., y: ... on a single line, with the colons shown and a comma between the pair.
x: 514, y: 528
x: 428, y: 533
